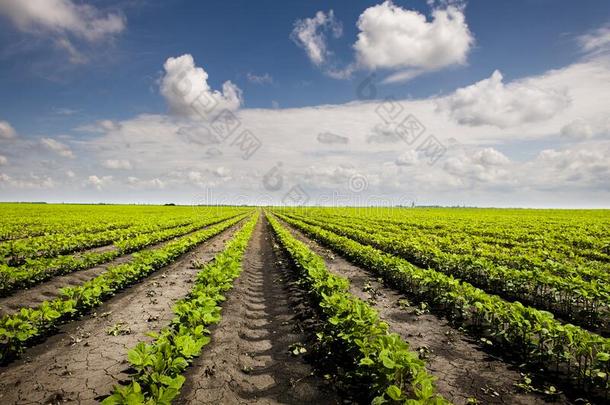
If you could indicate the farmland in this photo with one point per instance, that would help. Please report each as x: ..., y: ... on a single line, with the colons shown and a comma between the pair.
x: 216, y: 304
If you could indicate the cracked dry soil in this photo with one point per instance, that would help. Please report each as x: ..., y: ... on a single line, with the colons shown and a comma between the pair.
x: 248, y: 360
x: 462, y: 369
x: 81, y: 363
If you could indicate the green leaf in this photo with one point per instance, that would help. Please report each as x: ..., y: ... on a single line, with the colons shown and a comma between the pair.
x: 394, y: 392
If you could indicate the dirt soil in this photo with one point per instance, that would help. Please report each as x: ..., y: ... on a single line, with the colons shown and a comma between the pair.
x: 249, y: 359
x: 82, y: 362
x: 463, y: 370
x: 48, y: 290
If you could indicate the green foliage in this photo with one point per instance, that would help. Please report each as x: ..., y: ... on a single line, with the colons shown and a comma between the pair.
x: 354, y: 331
x: 17, y: 330
x: 159, y: 365
x: 533, y: 334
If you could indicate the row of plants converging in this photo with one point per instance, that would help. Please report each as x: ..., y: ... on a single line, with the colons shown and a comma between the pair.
x: 586, y: 303
x: 575, y: 232
x: 29, y: 221
x: 354, y: 334
x: 19, y: 330
x: 34, y: 271
x: 158, y: 366
x: 501, y: 245
x: 554, y: 240
x: 533, y: 335
x: 16, y: 252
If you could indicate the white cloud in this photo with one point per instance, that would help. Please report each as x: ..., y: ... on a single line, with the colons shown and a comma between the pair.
x: 481, y: 165
x: 491, y: 102
x: 57, y: 147
x: 473, y: 171
x: 310, y: 34
x: 138, y: 183
x: 98, y: 182
x: 3, y: 160
x: 259, y: 79
x: 580, y: 128
x: 7, y: 131
x: 392, y: 37
x: 582, y: 166
x: 489, y: 157
x: 186, y: 90
x: 31, y: 181
x: 62, y: 17
x: 63, y: 21
x: 597, y: 41
x: 123, y: 164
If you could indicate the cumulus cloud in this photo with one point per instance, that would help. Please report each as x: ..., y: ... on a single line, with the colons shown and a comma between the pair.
x: 3, y: 160
x: 491, y: 102
x: 57, y: 147
x: 259, y: 79
x: 310, y: 34
x: 123, y: 164
x: 392, y: 37
x: 187, y: 93
x: 330, y: 138
x: 582, y: 166
x: 7, y: 131
x: 98, y: 182
x: 481, y: 165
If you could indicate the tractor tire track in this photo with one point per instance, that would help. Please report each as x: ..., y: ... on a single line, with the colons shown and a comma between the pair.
x: 83, y: 362
x: 248, y: 360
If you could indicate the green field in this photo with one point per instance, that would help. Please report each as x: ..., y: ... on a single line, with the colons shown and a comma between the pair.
x: 346, y: 304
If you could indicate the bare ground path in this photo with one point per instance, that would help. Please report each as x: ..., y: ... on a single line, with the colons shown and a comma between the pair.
x: 463, y: 370
x: 249, y: 359
x: 84, y: 360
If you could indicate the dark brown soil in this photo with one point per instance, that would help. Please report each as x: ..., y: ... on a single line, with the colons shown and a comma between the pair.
x: 83, y: 361
x: 48, y: 290
x: 249, y: 359
x: 463, y: 370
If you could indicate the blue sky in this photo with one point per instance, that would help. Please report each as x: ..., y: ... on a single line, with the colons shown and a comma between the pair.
x: 61, y: 78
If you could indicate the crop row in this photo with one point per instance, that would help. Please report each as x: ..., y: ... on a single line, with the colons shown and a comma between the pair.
x: 580, y: 301
x: 355, y: 334
x: 533, y: 335
x: 557, y: 258
x: 556, y: 235
x: 159, y: 365
x: 22, y: 328
x: 15, y: 252
x: 34, y: 271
